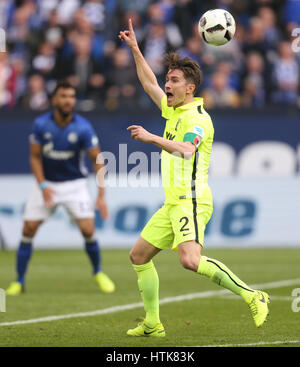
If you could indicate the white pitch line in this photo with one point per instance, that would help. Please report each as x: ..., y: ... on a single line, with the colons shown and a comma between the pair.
x: 278, y: 284
x: 246, y: 344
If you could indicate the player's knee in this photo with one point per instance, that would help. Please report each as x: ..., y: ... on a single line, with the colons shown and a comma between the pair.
x: 132, y: 256
x: 87, y: 231
x: 30, y: 228
x: 189, y: 263
x: 136, y: 258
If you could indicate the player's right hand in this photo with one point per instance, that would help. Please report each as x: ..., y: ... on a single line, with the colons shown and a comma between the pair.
x: 48, y: 197
x: 129, y: 36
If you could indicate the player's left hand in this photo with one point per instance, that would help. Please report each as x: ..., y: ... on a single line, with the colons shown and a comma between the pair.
x: 139, y: 133
x: 102, y: 207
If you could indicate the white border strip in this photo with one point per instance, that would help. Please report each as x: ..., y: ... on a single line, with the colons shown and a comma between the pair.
x: 278, y: 284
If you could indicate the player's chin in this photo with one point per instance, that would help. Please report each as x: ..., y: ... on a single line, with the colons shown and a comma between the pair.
x: 170, y: 101
x: 67, y: 109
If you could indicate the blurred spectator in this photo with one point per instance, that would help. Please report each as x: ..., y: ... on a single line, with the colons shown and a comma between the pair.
x: 83, y: 71
x: 285, y: 76
x: 94, y: 11
x: 66, y: 10
x: 162, y: 13
x: 268, y: 17
x: 53, y: 31
x: 220, y: 94
x: 84, y: 26
x: 19, y: 86
x: 45, y: 8
x: 139, y: 29
x: 43, y: 63
x: 168, y: 10
x: 193, y: 48
x: 6, y: 13
x: 226, y: 68
x: 154, y: 46
x: 122, y: 81
x: 186, y: 14
x: 253, y: 94
x: 6, y: 80
x: 19, y: 32
x: 255, y: 37
x: 36, y: 97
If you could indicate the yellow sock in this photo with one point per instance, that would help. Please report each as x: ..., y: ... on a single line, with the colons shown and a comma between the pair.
x: 148, y: 283
x: 220, y: 274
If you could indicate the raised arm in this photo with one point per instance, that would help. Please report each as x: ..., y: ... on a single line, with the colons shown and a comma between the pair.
x: 144, y: 72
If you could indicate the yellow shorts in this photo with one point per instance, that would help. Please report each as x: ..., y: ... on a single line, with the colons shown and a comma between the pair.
x: 172, y: 225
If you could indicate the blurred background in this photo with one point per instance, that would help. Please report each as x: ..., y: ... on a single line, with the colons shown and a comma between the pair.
x: 251, y: 88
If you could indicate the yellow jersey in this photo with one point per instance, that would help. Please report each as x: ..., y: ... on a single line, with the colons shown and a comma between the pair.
x: 182, y: 178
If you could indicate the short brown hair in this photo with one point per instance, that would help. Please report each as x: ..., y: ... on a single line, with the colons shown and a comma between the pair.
x: 190, y: 68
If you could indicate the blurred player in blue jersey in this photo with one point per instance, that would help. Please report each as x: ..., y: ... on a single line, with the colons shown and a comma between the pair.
x: 58, y: 144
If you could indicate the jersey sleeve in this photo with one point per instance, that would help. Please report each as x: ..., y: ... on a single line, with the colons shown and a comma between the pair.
x: 36, y: 135
x: 88, y: 137
x: 166, y: 111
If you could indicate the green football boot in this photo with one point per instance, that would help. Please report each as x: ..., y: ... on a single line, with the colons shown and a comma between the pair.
x: 142, y: 329
x: 14, y: 289
x: 105, y: 284
x: 259, y: 307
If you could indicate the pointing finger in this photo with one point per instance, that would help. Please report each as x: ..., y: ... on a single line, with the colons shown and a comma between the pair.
x: 130, y: 25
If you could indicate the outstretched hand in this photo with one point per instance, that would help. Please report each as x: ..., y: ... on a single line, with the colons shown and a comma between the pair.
x: 129, y: 36
x: 139, y: 133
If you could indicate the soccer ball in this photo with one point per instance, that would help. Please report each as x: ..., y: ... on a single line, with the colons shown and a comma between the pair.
x: 216, y: 27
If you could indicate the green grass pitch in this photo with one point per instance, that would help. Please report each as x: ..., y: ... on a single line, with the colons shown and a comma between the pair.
x: 59, y: 282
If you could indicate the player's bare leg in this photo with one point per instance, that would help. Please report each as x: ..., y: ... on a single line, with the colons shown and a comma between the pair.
x: 87, y: 229
x: 189, y: 255
x: 142, y: 252
x: 190, y: 258
x: 141, y: 257
x: 23, y: 255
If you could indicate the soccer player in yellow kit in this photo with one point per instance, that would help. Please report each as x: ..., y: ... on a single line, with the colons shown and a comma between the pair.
x: 180, y: 223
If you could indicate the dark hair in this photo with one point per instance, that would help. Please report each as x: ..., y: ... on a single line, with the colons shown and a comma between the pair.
x: 65, y: 84
x: 190, y: 68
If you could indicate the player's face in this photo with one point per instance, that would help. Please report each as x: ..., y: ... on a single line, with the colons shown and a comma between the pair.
x: 64, y: 100
x: 177, y: 88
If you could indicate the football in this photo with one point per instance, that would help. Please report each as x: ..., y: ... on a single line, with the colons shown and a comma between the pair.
x: 216, y: 27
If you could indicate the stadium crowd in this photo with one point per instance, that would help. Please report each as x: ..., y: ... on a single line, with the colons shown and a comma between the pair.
x: 49, y: 40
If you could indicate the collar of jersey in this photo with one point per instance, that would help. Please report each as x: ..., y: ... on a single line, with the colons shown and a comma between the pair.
x: 52, y: 118
x: 197, y: 102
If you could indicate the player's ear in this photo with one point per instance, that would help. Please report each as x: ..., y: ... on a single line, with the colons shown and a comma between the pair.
x: 191, y: 88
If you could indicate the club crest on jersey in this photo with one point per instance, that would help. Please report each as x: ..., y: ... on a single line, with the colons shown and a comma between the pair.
x: 72, y: 137
x: 48, y: 135
x: 199, y: 131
